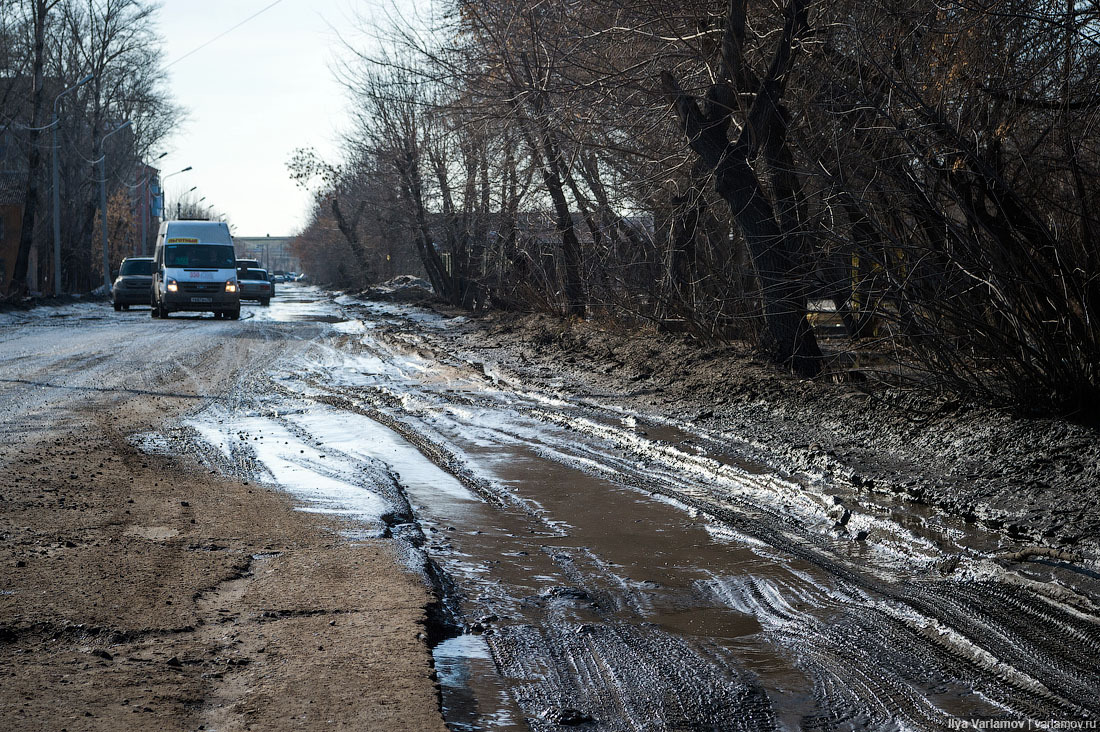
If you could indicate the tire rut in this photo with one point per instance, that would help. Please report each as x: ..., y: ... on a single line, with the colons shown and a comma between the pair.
x: 880, y: 647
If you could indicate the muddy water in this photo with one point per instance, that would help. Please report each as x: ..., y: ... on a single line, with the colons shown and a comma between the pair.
x: 596, y: 552
x: 624, y: 574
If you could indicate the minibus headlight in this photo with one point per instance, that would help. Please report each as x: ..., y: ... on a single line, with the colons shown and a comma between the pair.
x: 231, y: 286
x: 172, y: 286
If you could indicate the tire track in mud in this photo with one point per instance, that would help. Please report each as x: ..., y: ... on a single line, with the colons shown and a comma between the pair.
x: 1049, y: 649
x: 698, y: 690
x: 878, y: 648
x: 1047, y: 645
x: 625, y: 677
x: 1039, y: 653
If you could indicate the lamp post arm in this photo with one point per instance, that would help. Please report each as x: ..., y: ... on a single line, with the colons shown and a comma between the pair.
x: 77, y: 85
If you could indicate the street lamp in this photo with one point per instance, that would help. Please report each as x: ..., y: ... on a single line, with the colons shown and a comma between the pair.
x: 56, y: 193
x: 163, y: 202
x: 179, y: 203
x: 176, y: 173
x: 103, y: 201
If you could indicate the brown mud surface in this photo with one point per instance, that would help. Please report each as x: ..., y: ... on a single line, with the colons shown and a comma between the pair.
x: 141, y: 591
x: 1036, y: 480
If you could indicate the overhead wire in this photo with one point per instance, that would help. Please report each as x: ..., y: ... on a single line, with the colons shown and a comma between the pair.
x: 223, y: 34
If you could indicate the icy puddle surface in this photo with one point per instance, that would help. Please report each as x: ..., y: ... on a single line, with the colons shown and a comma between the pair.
x: 616, y: 573
x: 324, y: 480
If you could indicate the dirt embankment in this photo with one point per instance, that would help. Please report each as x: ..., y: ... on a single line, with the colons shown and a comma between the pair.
x: 1034, y: 479
x: 142, y: 592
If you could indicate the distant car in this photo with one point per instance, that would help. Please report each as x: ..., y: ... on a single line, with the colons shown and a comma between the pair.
x: 133, y: 282
x: 255, y: 285
x: 279, y: 278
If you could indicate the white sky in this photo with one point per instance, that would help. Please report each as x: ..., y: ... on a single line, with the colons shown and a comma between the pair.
x: 252, y: 97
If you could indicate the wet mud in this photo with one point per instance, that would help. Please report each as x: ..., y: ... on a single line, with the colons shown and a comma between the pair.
x: 616, y: 570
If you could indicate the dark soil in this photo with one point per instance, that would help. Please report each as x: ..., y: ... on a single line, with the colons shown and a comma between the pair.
x: 1035, y: 479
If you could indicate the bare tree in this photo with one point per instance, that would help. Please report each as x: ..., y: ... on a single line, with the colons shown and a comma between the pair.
x: 39, y: 11
x: 770, y: 227
x: 714, y: 166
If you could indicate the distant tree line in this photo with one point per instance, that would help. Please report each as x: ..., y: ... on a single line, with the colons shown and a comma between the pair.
x: 47, y: 47
x: 926, y: 173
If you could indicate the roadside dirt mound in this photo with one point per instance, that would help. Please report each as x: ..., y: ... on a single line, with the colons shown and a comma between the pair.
x: 1032, y: 478
x: 403, y: 288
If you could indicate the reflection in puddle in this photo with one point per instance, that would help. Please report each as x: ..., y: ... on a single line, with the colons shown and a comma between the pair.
x: 474, y: 698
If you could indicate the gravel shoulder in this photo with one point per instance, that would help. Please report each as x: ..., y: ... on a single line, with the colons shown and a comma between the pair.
x: 142, y: 591
x: 1035, y: 480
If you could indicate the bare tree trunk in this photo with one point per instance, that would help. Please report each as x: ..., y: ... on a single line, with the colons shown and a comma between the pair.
x: 350, y: 229
x: 34, y: 165
x: 454, y: 229
x: 408, y: 167
x: 675, y: 285
x: 546, y: 157
x: 774, y: 247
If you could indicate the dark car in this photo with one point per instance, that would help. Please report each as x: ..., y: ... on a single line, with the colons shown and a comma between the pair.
x: 243, y: 264
x: 133, y: 282
x: 255, y: 285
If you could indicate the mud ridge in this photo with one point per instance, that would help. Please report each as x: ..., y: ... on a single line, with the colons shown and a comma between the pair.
x: 1030, y: 479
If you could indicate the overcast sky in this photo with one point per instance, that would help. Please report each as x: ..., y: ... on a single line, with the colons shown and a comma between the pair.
x: 252, y: 97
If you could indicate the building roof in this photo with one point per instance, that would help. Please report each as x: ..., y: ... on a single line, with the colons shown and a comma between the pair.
x: 13, y: 188
x: 276, y: 240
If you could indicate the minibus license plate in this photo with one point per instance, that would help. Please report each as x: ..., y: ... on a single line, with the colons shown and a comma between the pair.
x: 202, y: 299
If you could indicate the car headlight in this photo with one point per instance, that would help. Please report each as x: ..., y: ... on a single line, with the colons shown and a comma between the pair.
x: 172, y: 286
x: 231, y: 286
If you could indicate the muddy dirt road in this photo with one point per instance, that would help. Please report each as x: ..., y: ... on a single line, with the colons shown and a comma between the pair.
x: 598, y: 566
x: 140, y: 591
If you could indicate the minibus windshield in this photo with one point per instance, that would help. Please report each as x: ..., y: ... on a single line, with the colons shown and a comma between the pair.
x: 199, y: 256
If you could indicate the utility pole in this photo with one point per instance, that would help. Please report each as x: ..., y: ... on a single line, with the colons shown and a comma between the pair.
x: 144, y: 218
x: 103, y: 202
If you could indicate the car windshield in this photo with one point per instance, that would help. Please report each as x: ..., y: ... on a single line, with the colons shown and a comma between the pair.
x: 254, y: 274
x: 202, y: 256
x: 136, y: 267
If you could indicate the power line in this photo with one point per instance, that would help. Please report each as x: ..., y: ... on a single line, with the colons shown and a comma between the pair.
x: 223, y: 34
